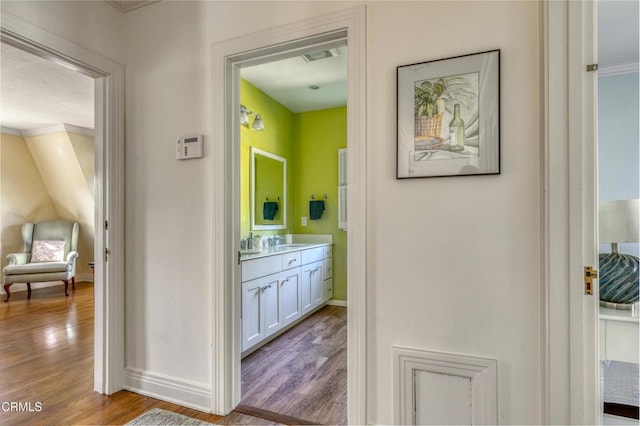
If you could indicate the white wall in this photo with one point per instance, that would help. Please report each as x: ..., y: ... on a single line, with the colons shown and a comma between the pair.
x: 94, y: 25
x: 452, y: 262
x: 618, y: 143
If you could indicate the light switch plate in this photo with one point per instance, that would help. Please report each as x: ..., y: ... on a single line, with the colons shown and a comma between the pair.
x: 303, y: 221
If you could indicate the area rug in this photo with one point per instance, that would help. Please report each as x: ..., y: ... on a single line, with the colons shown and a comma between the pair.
x: 159, y: 417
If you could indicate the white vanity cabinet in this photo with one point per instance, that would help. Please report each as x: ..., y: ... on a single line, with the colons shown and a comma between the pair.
x: 280, y: 289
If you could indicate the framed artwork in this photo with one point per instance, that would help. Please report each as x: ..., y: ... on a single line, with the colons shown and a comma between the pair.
x: 449, y: 117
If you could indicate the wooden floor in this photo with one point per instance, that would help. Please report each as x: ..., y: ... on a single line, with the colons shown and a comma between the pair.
x: 46, y: 365
x: 302, y: 373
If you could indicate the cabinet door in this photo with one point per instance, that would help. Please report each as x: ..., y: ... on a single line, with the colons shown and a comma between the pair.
x: 305, y: 288
x: 327, y: 268
x: 290, y: 286
x: 317, y: 284
x: 271, y: 304
x: 252, y: 324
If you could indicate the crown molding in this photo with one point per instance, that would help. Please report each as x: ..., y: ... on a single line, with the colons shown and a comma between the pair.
x: 69, y: 128
x: 125, y: 6
x: 10, y: 131
x: 618, y: 69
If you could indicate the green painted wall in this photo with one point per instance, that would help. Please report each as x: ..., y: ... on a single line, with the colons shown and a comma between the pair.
x: 276, y: 138
x: 318, y: 135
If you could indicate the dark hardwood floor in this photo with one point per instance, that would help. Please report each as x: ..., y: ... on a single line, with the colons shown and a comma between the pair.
x: 302, y: 373
x: 46, y: 364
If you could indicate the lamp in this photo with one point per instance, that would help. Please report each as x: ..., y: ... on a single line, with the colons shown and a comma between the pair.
x: 619, y: 272
x: 244, y: 115
x: 257, y: 125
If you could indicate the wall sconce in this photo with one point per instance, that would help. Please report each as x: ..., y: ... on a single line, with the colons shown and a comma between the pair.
x: 257, y: 125
x: 244, y: 115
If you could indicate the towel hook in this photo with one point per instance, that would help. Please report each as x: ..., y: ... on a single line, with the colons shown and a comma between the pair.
x: 326, y: 197
x: 313, y: 197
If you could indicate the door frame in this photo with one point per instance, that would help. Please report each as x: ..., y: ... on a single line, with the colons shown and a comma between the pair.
x: 569, y: 332
x: 109, y: 190
x: 227, y: 58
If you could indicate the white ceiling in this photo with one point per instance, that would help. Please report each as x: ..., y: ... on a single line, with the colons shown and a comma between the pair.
x: 36, y: 93
x: 288, y: 81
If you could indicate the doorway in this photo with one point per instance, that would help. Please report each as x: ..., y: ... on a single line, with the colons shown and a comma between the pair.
x: 228, y: 58
x: 109, y: 189
x: 293, y: 136
x: 618, y: 194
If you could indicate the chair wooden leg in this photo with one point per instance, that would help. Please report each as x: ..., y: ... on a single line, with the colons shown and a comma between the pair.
x: 73, y: 283
x: 66, y: 287
x: 6, y: 290
x: 28, y: 290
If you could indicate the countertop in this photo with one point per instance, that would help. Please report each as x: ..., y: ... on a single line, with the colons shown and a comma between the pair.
x: 279, y: 249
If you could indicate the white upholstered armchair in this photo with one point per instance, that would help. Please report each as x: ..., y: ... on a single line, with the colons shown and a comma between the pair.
x: 49, y: 254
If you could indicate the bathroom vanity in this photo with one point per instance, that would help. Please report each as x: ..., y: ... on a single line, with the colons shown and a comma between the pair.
x: 282, y: 285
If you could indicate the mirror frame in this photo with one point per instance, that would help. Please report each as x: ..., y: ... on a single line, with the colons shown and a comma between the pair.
x: 254, y: 226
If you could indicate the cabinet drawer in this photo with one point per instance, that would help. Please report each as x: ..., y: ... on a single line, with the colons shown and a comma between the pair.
x: 327, y: 268
x: 256, y: 268
x: 327, y: 251
x: 312, y: 255
x: 291, y: 260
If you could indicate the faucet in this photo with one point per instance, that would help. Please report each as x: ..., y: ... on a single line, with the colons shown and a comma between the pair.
x: 250, y: 241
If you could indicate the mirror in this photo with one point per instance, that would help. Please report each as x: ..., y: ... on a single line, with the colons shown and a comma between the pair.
x: 268, y: 190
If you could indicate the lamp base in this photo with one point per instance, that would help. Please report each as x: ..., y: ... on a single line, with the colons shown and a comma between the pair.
x: 617, y: 306
x: 619, y: 279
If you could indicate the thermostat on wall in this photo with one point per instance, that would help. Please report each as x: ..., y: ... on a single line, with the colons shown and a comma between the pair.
x: 189, y: 147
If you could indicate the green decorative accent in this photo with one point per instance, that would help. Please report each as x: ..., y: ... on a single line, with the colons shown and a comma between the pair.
x: 619, y: 278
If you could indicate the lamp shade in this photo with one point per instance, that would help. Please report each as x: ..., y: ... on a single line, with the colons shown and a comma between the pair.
x: 619, y: 221
x: 619, y: 272
x: 257, y: 125
x: 244, y: 115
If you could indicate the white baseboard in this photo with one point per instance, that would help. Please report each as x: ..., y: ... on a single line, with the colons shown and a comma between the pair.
x: 177, y: 391
x: 85, y: 277
x: 335, y: 302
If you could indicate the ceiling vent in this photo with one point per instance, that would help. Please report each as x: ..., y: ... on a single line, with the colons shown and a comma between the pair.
x: 320, y: 54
